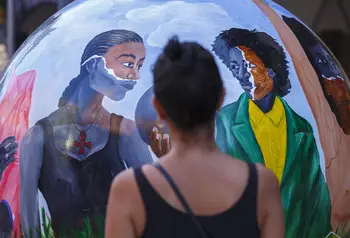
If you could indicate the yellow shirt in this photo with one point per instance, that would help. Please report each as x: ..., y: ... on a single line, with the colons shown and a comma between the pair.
x: 270, y: 131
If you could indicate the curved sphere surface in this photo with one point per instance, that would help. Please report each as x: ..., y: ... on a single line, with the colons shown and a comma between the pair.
x: 76, y: 104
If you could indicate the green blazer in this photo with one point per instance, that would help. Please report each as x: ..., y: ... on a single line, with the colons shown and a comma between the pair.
x: 304, y: 192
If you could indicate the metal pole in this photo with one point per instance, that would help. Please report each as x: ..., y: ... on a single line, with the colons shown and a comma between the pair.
x: 10, y: 27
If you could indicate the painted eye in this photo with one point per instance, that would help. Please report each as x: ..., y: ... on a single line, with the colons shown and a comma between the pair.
x: 139, y: 66
x: 252, y: 66
x: 321, y: 61
x: 234, y: 66
x: 129, y: 64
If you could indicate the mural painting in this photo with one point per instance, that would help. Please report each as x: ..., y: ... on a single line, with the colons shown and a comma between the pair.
x: 261, y: 127
x: 76, y: 110
x: 328, y: 71
x: 336, y: 90
x: 81, y: 147
x: 328, y: 108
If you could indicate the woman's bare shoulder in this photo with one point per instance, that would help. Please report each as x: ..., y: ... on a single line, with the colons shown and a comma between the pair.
x: 239, y: 168
x: 124, y: 184
x: 266, y: 177
x: 268, y: 185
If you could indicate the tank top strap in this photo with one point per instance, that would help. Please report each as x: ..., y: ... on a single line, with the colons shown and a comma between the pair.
x: 149, y: 196
x: 250, y: 195
x: 253, y: 178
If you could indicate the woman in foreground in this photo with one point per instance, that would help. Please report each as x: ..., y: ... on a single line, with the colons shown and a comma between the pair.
x: 229, y: 197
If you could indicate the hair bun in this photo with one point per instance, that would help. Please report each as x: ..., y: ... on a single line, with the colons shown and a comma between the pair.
x: 173, y: 50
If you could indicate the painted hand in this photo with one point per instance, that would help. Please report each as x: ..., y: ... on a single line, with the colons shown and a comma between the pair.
x: 160, y: 143
x: 8, y: 148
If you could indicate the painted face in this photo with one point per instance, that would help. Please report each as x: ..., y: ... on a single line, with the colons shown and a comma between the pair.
x: 325, y: 63
x: 126, y: 60
x: 240, y: 69
x: 118, y: 71
x: 250, y: 71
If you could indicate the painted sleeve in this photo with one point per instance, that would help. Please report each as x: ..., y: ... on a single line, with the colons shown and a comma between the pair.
x: 221, y: 139
x: 132, y: 149
x: 30, y: 164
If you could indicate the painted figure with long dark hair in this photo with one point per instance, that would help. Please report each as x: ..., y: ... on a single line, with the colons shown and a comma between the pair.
x: 73, y: 154
x: 261, y: 127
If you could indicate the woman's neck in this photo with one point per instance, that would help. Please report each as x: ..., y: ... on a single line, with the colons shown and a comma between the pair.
x: 86, y: 102
x: 201, y: 140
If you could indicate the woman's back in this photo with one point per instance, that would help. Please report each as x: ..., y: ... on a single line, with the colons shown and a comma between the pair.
x: 225, y: 202
x: 228, y: 197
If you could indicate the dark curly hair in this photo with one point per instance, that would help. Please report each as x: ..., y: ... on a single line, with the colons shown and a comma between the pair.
x: 264, y: 46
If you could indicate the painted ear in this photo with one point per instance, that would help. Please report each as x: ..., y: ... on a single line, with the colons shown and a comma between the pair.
x: 271, y: 73
x: 91, y: 65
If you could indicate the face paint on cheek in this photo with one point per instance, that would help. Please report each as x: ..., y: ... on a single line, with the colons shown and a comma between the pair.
x: 111, y: 73
x: 127, y: 84
x: 252, y: 81
x: 262, y: 84
x: 104, y: 81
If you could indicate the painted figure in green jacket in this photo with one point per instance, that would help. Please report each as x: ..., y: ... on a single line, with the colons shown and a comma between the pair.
x: 261, y: 127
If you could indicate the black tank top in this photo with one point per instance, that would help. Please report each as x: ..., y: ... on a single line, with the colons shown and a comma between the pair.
x: 162, y: 220
x: 75, y: 190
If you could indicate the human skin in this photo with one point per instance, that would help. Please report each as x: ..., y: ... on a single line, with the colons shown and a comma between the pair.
x: 334, y: 142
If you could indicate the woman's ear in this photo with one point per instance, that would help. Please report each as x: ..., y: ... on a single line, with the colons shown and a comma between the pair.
x: 159, y: 109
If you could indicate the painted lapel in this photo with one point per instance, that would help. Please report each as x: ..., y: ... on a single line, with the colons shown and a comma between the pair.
x: 243, y: 132
x: 294, y: 139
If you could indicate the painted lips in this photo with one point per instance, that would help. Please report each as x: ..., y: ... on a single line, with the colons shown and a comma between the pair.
x: 129, y: 85
x: 246, y: 86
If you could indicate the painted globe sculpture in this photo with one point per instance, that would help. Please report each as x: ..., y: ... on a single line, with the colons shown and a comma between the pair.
x: 76, y: 110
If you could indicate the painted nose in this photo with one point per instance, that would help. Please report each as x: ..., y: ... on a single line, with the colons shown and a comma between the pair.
x: 137, y: 74
x: 243, y: 74
x: 134, y: 74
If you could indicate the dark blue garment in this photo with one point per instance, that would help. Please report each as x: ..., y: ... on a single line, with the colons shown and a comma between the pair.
x: 84, y: 193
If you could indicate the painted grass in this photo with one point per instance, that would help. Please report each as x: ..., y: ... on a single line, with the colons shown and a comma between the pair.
x: 85, y: 232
